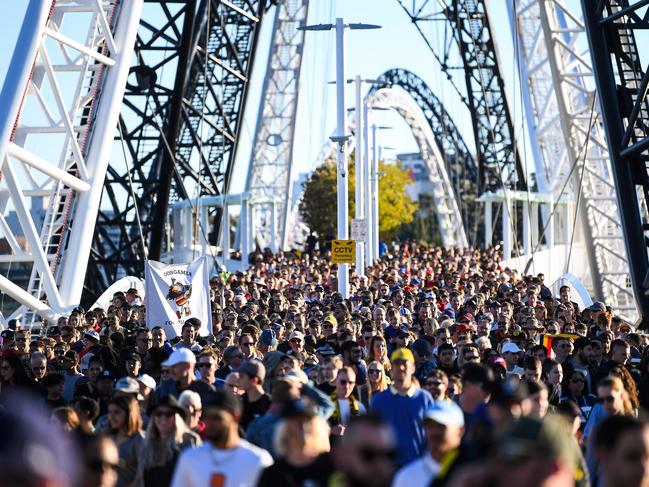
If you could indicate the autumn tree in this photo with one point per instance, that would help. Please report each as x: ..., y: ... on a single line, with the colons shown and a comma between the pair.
x: 318, y: 205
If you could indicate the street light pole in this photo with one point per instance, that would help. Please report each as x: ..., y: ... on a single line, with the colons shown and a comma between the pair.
x: 341, y: 157
x: 375, y: 196
x: 367, y: 176
x: 341, y: 138
x: 360, y: 177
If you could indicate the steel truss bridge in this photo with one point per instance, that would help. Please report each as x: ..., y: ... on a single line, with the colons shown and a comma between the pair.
x: 115, y: 109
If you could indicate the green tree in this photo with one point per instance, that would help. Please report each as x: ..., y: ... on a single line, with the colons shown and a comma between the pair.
x: 318, y: 205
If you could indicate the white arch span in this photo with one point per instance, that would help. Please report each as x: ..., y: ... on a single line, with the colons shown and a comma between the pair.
x: 446, y: 205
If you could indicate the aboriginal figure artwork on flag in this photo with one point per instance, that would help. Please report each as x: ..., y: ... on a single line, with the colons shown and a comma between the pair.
x: 177, y: 292
x: 180, y: 294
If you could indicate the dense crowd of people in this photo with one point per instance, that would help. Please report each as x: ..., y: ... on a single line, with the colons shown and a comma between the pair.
x: 441, y: 368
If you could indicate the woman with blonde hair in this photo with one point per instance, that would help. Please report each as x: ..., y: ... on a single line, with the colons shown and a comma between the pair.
x: 377, y: 381
x: 302, y: 444
x: 125, y: 423
x: 166, y: 436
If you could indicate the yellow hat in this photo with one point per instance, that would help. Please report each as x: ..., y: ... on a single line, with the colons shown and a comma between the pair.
x: 331, y: 319
x: 402, y: 354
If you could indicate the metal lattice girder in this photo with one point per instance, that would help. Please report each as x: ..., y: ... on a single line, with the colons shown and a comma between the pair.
x: 180, y: 124
x: 460, y: 164
x: 269, y: 173
x: 468, y: 31
x: 556, y: 64
x: 622, y: 78
x: 68, y: 75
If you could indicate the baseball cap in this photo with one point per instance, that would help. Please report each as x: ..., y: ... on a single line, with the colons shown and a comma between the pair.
x: 269, y: 338
x: 128, y: 385
x: 92, y: 335
x: 180, y: 356
x: 147, y: 380
x: 253, y: 368
x: 134, y: 357
x: 296, y: 334
x: 511, y: 347
x: 326, y: 351
x: 225, y: 400
x: 106, y: 375
x: 446, y: 413
x: 530, y: 437
x: 331, y: 319
x: 402, y: 354
x: 597, y: 306
x: 497, y: 360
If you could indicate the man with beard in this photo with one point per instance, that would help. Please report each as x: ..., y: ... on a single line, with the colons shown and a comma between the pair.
x: 225, y: 458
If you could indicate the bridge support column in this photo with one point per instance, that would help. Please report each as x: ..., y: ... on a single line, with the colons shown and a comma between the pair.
x: 534, y: 222
x: 488, y: 224
x: 507, y: 230
x: 273, y: 227
x: 527, y: 244
x: 245, y: 224
x: 225, y: 232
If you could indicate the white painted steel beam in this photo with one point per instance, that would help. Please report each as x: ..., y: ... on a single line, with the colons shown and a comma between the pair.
x: 58, y: 116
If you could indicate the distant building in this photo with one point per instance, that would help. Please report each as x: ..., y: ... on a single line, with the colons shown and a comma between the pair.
x: 418, y: 173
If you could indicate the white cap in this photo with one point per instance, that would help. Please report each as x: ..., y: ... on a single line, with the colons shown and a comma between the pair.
x: 180, y: 356
x: 128, y: 385
x: 511, y: 347
x: 447, y: 413
x: 296, y: 334
x: 147, y: 380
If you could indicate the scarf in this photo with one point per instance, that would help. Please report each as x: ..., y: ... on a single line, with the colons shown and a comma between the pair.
x: 353, y: 408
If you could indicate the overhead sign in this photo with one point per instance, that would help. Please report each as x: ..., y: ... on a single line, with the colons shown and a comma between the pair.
x: 359, y: 229
x: 343, y: 251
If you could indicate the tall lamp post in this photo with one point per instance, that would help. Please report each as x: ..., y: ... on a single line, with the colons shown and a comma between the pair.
x: 341, y: 138
x: 375, y: 175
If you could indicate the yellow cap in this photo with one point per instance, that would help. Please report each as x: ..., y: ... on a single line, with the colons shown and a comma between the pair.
x: 331, y: 319
x: 402, y: 354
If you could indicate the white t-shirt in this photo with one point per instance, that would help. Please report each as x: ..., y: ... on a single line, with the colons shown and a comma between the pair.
x: 420, y: 472
x: 205, y: 466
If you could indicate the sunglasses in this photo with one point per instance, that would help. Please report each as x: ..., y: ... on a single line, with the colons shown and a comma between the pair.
x: 374, y: 371
x: 433, y: 383
x: 100, y: 466
x: 577, y: 381
x: 608, y: 399
x: 39, y: 368
x: 370, y: 454
x: 204, y: 364
x: 164, y: 371
x: 165, y: 414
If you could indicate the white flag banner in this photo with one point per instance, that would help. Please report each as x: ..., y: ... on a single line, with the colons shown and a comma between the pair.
x: 177, y: 292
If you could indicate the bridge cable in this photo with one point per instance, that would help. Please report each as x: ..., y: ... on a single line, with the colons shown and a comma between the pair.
x: 567, y: 179
x: 130, y: 185
x: 581, y: 180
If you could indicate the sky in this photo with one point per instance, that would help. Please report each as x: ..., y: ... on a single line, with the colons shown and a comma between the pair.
x: 369, y: 53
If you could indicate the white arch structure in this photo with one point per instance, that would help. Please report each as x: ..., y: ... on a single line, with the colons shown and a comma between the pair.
x: 447, y: 209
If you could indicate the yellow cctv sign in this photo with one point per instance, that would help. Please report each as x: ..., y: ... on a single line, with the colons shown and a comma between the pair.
x: 343, y: 251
